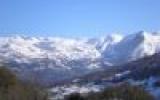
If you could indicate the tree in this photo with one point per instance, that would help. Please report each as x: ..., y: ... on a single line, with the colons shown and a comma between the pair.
x: 13, y: 89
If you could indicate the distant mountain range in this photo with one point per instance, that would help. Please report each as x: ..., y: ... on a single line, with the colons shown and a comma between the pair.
x: 49, y: 60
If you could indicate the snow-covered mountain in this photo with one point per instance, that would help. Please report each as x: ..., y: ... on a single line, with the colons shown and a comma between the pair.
x: 50, y: 59
x: 132, y: 47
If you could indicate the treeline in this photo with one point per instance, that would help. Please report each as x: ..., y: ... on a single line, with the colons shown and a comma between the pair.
x: 122, y: 92
x: 13, y: 89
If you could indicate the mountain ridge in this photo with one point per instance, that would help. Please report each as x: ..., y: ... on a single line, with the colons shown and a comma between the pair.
x: 57, y: 59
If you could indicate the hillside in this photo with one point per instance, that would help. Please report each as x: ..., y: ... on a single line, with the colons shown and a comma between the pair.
x: 11, y: 88
x: 144, y: 73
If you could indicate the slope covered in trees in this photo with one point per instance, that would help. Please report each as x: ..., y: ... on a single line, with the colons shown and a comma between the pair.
x: 13, y: 89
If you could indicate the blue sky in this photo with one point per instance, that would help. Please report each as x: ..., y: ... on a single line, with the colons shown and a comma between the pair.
x: 78, y: 18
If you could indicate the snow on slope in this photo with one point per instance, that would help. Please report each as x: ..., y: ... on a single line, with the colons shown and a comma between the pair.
x: 132, y: 47
x: 49, y: 59
x: 60, y: 58
x: 104, y: 43
x: 37, y: 48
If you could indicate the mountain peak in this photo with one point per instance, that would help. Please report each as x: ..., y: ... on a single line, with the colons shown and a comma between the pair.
x: 142, y: 34
x: 114, y: 37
